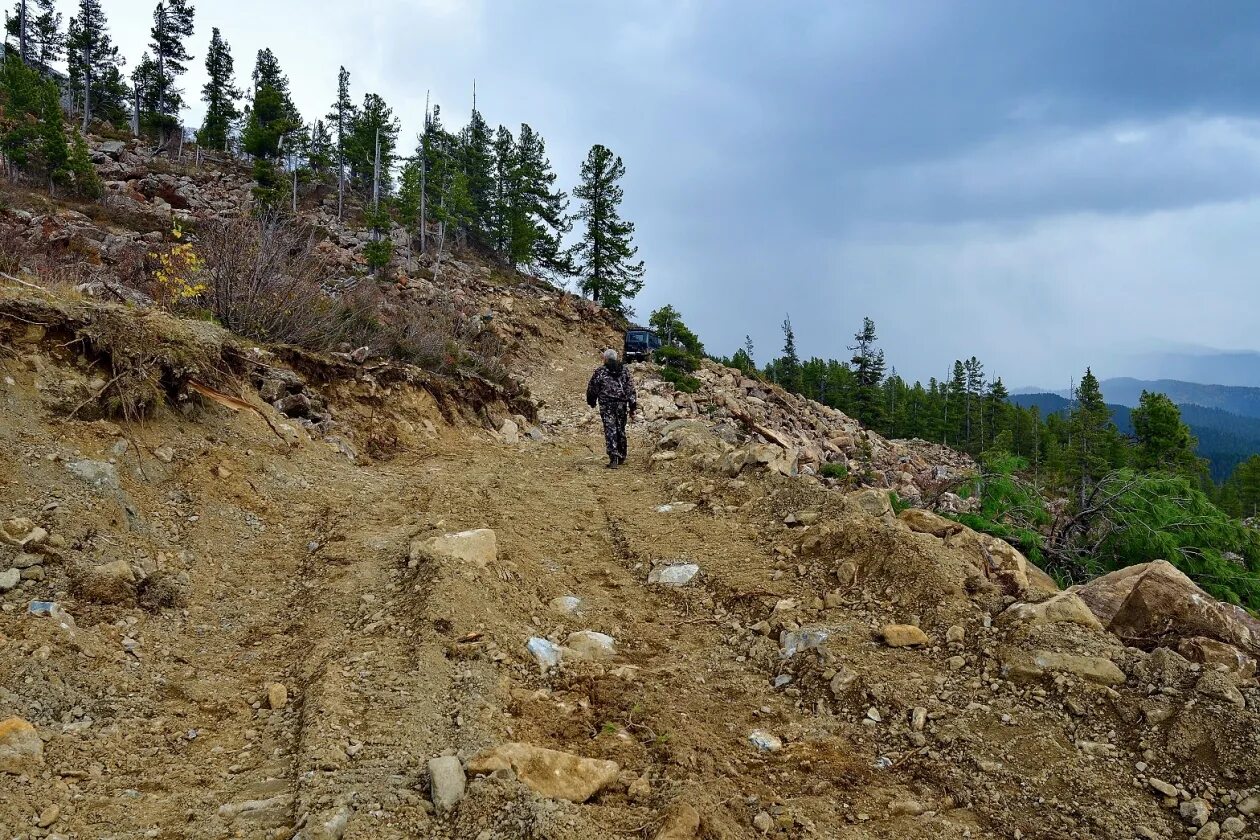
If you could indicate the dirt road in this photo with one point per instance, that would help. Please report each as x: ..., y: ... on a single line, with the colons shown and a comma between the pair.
x: 293, y: 589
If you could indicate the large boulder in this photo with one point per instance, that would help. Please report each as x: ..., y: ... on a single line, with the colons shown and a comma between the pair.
x: 1064, y: 608
x: 477, y: 548
x: 926, y: 522
x: 1154, y: 604
x: 21, y: 748
x: 549, y: 773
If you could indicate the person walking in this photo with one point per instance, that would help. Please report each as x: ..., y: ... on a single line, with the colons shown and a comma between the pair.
x: 612, y: 387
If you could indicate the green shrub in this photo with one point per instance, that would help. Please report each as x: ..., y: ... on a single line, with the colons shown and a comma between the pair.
x: 675, y: 358
x: 898, y: 504
x: 680, y: 380
x: 834, y: 470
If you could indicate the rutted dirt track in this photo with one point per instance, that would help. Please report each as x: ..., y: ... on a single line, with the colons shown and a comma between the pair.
x: 293, y: 570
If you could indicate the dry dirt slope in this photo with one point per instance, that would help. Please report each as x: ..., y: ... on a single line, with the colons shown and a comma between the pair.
x: 266, y: 566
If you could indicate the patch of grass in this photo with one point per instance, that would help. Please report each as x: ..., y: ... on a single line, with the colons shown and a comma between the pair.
x: 834, y: 470
x: 898, y: 504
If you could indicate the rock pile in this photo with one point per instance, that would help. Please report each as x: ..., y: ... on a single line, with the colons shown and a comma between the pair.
x: 732, y: 423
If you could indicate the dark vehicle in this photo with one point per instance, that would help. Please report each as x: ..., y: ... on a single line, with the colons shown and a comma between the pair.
x: 640, y: 344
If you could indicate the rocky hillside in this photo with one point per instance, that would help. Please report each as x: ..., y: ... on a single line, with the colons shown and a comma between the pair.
x: 255, y: 591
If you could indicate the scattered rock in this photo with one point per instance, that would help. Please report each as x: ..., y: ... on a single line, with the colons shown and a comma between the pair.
x: 1195, y: 812
x: 926, y: 522
x: 1233, y: 825
x: 640, y: 789
x: 1064, y: 608
x: 680, y: 574
x: 907, y: 807
x: 764, y: 741
x: 49, y: 815
x: 10, y: 579
x: 1096, y: 669
x: 842, y: 681
x: 1210, y: 831
x: 873, y: 502
x: 510, y: 432
x: 273, y: 812
x: 955, y: 634
x: 545, y: 652
x: 1220, y: 686
x: 681, y: 823
x: 100, y: 474
x: 1163, y: 787
x: 565, y: 604
x: 277, y: 696
x: 478, y: 548
x: 446, y: 782
x: 588, y: 644
x: 903, y: 635
x: 792, y: 642
x: 1250, y: 805
x: 108, y: 583
x: 763, y: 822
x: 549, y: 773
x: 21, y: 749
x: 1217, y: 654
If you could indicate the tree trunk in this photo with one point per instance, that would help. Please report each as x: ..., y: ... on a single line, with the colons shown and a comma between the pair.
x: 87, y: 88
x: 22, y: 52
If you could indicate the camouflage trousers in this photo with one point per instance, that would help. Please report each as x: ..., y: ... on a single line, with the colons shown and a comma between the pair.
x: 614, y: 413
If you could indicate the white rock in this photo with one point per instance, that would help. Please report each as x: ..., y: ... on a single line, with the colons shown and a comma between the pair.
x: 547, y: 653
x: 764, y: 741
x: 588, y: 644
x: 479, y: 548
x: 446, y: 782
x: 679, y: 574
x: 9, y: 579
x: 565, y: 604
x: 792, y: 642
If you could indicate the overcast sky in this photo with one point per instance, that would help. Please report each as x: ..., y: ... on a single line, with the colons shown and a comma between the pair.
x: 1042, y: 184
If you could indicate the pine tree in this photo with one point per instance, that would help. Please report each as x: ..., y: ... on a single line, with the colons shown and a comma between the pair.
x: 1094, y: 438
x: 544, y: 214
x: 272, y: 117
x: 868, y: 369
x: 974, y: 393
x: 506, y: 194
x: 1163, y: 441
x: 997, y: 411
x: 340, y: 119
x: 373, y: 119
x: 605, y: 250
x: 444, y: 187
x: 33, y: 135
x: 408, y: 203
x: 41, y: 41
x: 95, y: 67
x: 322, y: 153
x: 787, y: 368
x: 272, y: 114
x: 477, y: 160
x: 220, y: 94
x: 172, y: 25
x: 956, y: 401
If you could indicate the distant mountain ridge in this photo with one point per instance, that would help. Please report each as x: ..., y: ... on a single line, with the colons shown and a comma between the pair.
x: 1225, y: 439
x: 1236, y: 399
x: 1127, y: 391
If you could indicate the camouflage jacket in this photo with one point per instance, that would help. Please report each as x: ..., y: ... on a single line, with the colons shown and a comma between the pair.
x: 611, y: 383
